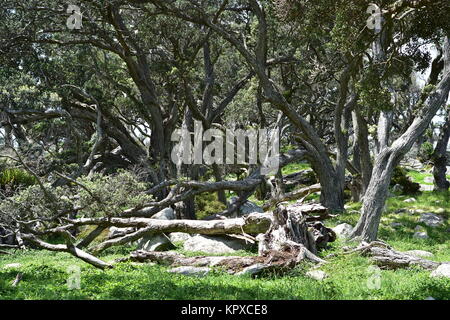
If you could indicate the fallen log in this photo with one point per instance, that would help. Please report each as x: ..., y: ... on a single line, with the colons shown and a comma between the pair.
x: 387, y: 258
x: 289, y: 196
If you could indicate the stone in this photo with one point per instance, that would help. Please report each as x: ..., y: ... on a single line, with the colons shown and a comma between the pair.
x: 246, y: 208
x: 429, y: 298
x: 410, y: 200
x: 214, y: 244
x: 397, y: 188
x: 397, y: 225
x: 420, y: 235
x: 252, y: 270
x: 317, y: 274
x: 419, y: 253
x: 431, y: 219
x: 165, y: 214
x: 158, y: 242
x: 442, y: 271
x: 343, y: 230
x: 426, y: 187
x: 179, y: 236
x: 428, y: 179
x: 191, y: 271
x: 12, y: 266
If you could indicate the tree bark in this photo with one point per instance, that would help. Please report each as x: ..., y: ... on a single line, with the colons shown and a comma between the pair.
x: 439, y: 157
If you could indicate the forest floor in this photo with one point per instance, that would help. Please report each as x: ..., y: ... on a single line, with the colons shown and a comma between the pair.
x: 45, y: 274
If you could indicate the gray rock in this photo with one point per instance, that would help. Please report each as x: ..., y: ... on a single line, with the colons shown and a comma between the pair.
x: 426, y: 187
x: 191, y: 271
x: 428, y: 179
x: 216, y: 244
x: 252, y: 270
x: 431, y: 220
x: 397, y: 225
x: 247, y: 208
x: 419, y: 253
x: 442, y: 271
x: 410, y: 200
x: 343, y: 230
x: 165, y: 214
x: 420, y: 235
x: 397, y: 188
x: 429, y: 298
x: 159, y: 242
x: 317, y: 274
x: 179, y: 236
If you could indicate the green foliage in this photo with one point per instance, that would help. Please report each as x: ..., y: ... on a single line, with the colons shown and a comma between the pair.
x: 425, y: 152
x: 207, y: 204
x: 15, y: 177
x: 400, y: 177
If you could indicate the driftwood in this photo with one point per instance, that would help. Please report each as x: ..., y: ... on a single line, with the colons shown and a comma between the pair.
x: 387, y: 258
x: 294, y: 195
x: 17, y: 279
x: 289, y: 240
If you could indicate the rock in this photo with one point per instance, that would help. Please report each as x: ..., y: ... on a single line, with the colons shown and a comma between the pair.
x: 419, y: 253
x: 410, y: 200
x: 420, y: 235
x: 431, y: 220
x: 442, y: 271
x: 397, y: 225
x: 245, y: 209
x: 426, y: 187
x: 397, y: 188
x: 214, y: 244
x: 428, y: 179
x: 165, y: 214
x: 12, y: 266
x: 252, y: 270
x: 191, y: 271
x: 343, y: 230
x: 115, y: 232
x: 429, y: 298
x: 317, y: 274
x: 403, y: 210
x: 159, y: 242
x: 179, y: 236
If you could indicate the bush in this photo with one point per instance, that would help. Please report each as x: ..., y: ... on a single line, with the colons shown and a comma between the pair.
x: 425, y: 152
x: 399, y: 177
x: 207, y: 204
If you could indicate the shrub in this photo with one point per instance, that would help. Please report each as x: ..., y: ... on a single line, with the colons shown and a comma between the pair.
x: 207, y: 204
x: 399, y: 177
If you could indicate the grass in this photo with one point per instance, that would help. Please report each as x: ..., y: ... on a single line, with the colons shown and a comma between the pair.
x: 45, y: 274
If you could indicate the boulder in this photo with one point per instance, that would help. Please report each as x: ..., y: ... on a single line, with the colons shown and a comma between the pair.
x: 343, y: 230
x: 214, y: 244
x: 442, y: 271
x: 397, y: 225
x: 158, y: 242
x: 191, y: 271
x: 419, y: 253
x: 420, y: 235
x: 410, y: 200
x: 246, y: 208
x: 179, y: 236
x: 397, y: 188
x: 317, y: 274
x: 165, y: 214
x: 428, y: 179
x: 431, y: 219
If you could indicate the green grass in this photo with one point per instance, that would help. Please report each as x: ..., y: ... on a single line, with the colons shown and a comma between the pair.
x: 45, y: 273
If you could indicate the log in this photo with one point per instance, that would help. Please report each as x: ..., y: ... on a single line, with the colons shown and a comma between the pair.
x: 294, y: 195
x: 387, y: 258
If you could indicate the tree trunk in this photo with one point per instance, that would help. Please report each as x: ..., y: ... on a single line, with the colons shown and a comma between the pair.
x: 440, y: 157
